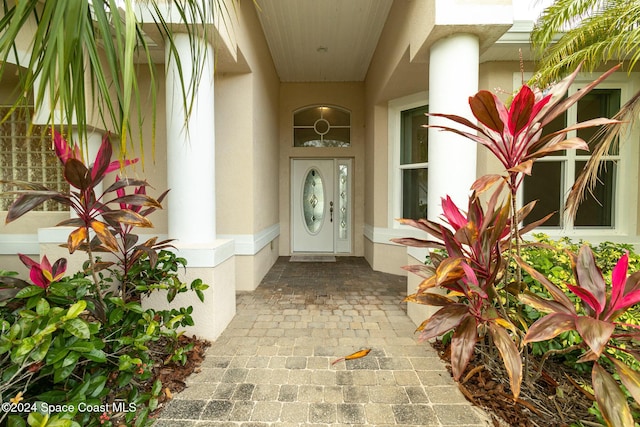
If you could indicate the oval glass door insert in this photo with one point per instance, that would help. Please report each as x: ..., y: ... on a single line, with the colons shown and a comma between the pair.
x: 313, y: 201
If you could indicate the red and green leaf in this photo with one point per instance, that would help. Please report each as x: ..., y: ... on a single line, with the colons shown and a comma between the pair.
x: 77, y: 174
x: 137, y: 200
x: 421, y: 270
x: 520, y: 111
x: 128, y: 217
x: 463, y: 344
x: 429, y: 298
x: 418, y: 243
x: 629, y: 300
x: 27, y: 202
x: 629, y: 377
x: 489, y: 110
x: 550, y: 326
x: 443, y: 320
x: 541, y: 304
x: 618, y: 280
x: 589, y: 277
x: 611, y: 400
x: 510, y: 356
x: 587, y: 298
x: 555, y: 292
x: 596, y: 333
x: 102, y: 160
x: 449, y: 270
x: 452, y: 214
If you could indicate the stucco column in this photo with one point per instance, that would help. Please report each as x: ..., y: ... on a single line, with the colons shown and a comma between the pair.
x: 191, y: 147
x: 453, y: 78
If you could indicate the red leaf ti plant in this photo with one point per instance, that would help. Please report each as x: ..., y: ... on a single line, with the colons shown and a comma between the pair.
x: 598, y: 327
x: 477, y: 241
x: 109, y: 215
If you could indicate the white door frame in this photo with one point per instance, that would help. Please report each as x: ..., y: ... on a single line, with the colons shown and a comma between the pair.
x: 334, y: 233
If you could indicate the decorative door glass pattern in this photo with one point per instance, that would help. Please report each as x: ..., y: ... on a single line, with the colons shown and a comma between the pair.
x: 322, y: 126
x: 342, y: 200
x: 313, y: 201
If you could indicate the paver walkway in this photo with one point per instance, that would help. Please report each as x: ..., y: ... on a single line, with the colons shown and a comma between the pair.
x: 273, y: 365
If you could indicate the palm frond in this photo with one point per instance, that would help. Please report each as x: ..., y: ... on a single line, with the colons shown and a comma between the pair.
x: 83, y: 57
x: 590, y: 32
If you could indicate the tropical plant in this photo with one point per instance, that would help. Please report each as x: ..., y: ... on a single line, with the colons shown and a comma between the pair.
x: 599, y: 327
x: 474, y: 270
x: 514, y: 134
x: 474, y: 243
x: 593, y: 32
x: 43, y: 273
x: 93, y: 64
x: 94, y: 212
x: 54, y: 350
x: 570, y: 33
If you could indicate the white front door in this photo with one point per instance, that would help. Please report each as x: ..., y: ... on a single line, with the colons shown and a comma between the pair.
x: 321, y: 205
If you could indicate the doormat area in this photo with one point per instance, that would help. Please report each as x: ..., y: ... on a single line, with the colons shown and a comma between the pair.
x: 312, y: 258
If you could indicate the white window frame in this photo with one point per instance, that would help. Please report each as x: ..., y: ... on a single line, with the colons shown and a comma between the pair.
x: 395, y: 109
x: 626, y: 179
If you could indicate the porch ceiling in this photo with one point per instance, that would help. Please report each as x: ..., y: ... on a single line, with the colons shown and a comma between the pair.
x: 328, y: 40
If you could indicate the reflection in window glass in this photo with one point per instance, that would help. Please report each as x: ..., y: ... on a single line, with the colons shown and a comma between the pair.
x: 413, y: 162
x: 544, y: 185
x: 553, y: 177
x: 414, y: 193
x: 597, y: 207
x: 322, y: 126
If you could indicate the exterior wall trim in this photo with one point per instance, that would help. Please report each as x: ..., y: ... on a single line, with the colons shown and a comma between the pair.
x: 251, y: 244
x: 11, y: 244
x: 380, y: 235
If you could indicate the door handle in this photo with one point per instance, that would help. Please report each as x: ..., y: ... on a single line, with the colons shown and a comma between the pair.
x: 331, y: 211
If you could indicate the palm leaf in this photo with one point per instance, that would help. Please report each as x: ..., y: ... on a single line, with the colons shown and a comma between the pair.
x: 83, y: 54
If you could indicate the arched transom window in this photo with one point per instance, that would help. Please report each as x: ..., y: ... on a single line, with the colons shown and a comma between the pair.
x: 322, y: 126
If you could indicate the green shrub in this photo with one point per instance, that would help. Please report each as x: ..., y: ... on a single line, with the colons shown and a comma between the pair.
x: 550, y: 258
x: 58, y: 358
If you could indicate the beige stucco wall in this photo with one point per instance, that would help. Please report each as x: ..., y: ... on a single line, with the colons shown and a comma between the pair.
x: 247, y: 135
x: 391, y: 75
x: 247, y: 147
x: 347, y: 95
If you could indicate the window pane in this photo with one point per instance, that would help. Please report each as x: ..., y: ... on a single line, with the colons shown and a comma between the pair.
x: 597, y: 103
x: 413, y: 136
x: 596, y: 210
x: 414, y: 193
x: 555, y: 125
x: 322, y: 127
x: 313, y: 201
x: 343, y: 202
x: 306, y: 117
x: 339, y: 137
x: 544, y: 185
x: 336, y: 116
x: 305, y: 138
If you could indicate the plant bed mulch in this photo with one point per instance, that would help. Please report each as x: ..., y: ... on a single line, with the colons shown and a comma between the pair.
x: 555, y: 399
x: 172, y: 374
